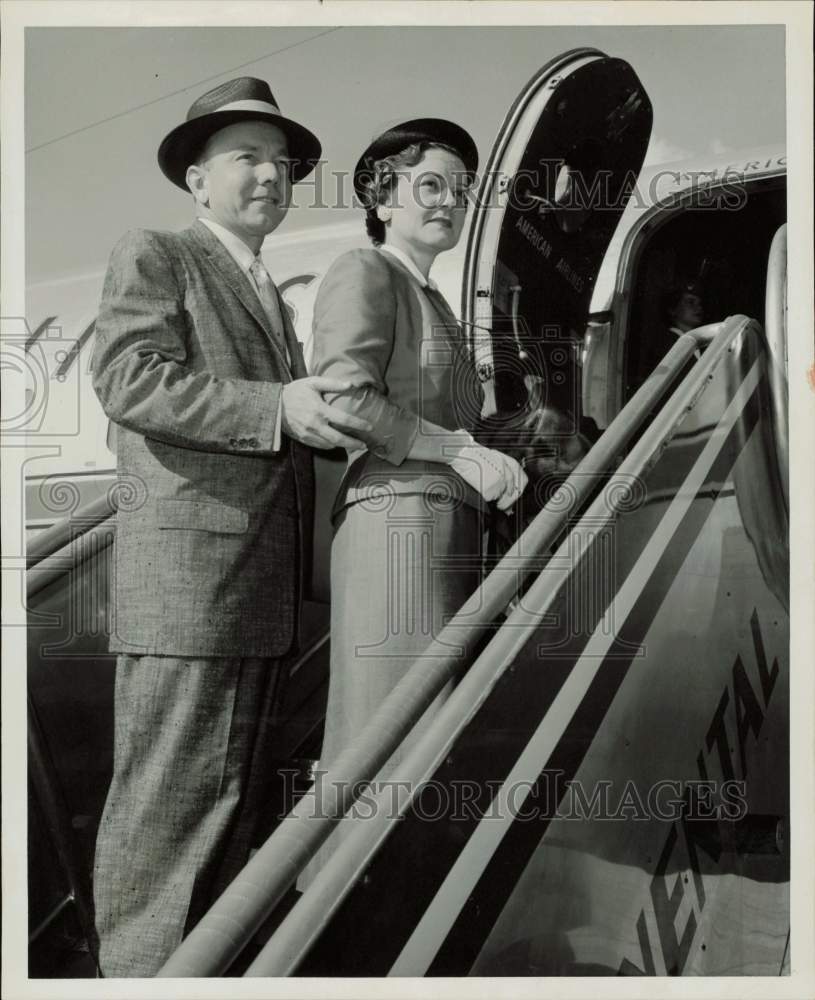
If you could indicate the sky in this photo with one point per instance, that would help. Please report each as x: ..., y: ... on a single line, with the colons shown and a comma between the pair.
x: 98, y: 101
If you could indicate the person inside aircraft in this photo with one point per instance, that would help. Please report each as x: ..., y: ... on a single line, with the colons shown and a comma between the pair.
x: 682, y: 308
x: 408, y: 515
x: 682, y: 311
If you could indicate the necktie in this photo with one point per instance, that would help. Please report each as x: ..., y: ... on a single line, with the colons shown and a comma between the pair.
x: 267, y: 293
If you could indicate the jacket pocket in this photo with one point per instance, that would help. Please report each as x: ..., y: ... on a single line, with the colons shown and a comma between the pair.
x: 200, y: 515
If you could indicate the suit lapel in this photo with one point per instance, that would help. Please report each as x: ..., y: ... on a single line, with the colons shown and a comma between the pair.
x: 452, y: 332
x: 444, y: 312
x: 461, y: 361
x: 449, y: 323
x: 227, y: 269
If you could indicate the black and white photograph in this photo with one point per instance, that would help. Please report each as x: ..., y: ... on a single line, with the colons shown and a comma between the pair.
x: 408, y: 551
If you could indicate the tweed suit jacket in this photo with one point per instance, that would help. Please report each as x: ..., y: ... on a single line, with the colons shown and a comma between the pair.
x: 216, y: 524
x: 401, y: 348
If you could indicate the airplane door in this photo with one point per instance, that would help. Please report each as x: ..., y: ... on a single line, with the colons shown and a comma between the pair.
x: 560, y: 173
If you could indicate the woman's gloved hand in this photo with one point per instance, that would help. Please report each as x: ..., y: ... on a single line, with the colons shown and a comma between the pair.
x: 496, y: 476
x: 516, y: 480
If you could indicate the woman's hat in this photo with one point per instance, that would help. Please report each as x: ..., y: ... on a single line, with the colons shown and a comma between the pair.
x: 397, y: 137
x: 240, y: 100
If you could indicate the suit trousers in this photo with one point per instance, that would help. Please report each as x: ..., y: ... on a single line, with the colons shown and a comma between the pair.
x: 190, y: 772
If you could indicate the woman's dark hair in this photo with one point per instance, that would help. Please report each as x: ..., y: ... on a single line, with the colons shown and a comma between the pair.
x: 383, y: 179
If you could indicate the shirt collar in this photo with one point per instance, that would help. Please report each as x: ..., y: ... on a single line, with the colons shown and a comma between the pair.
x: 239, y: 251
x: 403, y: 259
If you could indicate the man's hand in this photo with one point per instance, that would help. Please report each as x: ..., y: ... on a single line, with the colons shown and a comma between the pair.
x: 309, y: 419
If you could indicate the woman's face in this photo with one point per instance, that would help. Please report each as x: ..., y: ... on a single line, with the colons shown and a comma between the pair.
x: 425, y: 210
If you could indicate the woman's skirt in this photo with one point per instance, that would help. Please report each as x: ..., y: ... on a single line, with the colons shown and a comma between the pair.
x: 401, y: 567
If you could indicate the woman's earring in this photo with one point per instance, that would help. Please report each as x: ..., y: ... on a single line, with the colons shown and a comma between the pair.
x: 383, y: 213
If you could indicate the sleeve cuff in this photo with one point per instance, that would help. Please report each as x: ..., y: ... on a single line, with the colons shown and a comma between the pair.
x: 277, y: 436
x: 395, y: 435
x: 263, y: 419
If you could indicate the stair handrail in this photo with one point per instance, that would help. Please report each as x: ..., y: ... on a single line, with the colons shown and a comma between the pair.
x: 236, y: 915
x: 59, y: 536
x: 88, y: 540
x: 312, y: 912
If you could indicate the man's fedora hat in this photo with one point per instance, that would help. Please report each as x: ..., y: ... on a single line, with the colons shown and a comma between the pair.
x: 397, y: 137
x: 240, y: 100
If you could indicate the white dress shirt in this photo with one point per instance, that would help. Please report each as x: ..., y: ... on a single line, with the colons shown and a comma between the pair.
x: 241, y: 253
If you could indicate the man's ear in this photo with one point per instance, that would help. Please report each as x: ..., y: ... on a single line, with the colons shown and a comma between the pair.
x: 196, y: 179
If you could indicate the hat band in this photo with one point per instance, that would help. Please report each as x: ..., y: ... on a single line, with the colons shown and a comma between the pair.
x: 262, y: 106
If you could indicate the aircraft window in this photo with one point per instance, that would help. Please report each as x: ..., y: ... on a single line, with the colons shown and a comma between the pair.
x: 563, y: 183
x: 575, y: 185
x: 717, y: 256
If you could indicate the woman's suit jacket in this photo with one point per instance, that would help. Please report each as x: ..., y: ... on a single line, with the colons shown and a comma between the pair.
x: 401, y: 348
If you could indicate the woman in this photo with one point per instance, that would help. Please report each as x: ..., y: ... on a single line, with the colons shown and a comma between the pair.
x: 407, y: 519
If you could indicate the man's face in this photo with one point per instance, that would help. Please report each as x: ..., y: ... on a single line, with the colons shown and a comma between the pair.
x: 689, y: 312
x: 242, y: 180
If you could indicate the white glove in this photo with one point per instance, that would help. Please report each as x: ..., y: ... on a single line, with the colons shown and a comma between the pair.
x: 516, y: 480
x: 491, y: 473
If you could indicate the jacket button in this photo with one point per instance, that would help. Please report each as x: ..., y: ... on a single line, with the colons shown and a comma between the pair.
x: 251, y: 442
x: 233, y: 443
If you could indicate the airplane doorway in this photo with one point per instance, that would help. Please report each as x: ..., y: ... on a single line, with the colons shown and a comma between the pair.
x: 718, y: 255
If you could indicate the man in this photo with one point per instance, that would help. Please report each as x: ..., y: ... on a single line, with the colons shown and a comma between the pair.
x: 682, y: 309
x: 197, y: 363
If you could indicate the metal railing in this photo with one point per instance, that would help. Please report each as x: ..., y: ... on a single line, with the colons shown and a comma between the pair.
x: 305, y: 921
x: 775, y: 323
x: 235, y: 917
x: 51, y: 540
